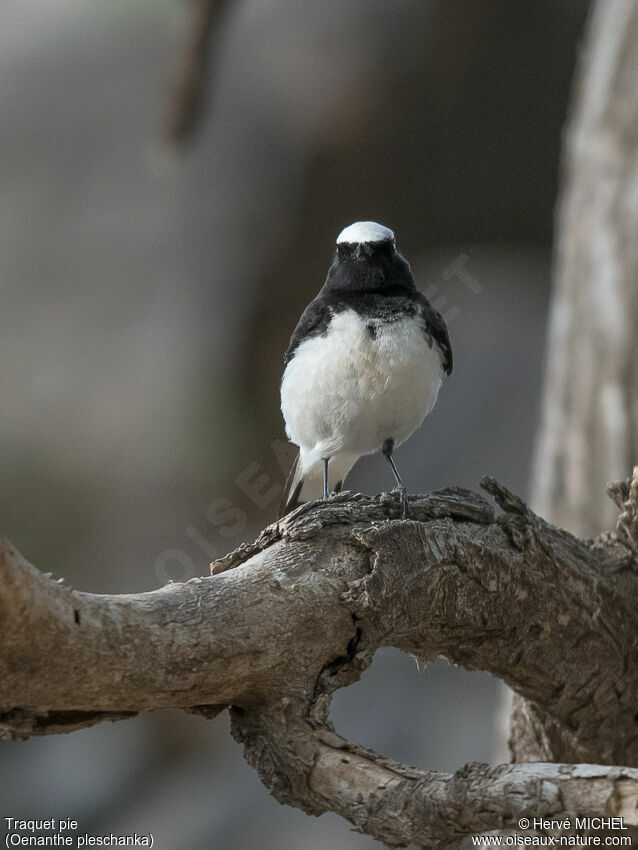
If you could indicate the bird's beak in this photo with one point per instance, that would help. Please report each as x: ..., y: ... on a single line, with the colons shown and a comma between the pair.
x: 361, y: 251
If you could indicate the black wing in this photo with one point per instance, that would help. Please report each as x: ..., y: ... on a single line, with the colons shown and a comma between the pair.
x: 314, y: 321
x: 435, y: 326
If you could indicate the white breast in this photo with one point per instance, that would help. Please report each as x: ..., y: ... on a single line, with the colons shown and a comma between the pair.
x: 351, y: 389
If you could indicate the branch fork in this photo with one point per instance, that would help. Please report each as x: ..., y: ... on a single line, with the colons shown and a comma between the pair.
x: 285, y: 621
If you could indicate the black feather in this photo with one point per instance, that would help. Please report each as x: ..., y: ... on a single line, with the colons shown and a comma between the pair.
x: 379, y: 286
x: 290, y: 501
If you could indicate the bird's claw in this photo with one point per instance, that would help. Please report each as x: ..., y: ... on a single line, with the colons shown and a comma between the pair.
x: 406, y: 513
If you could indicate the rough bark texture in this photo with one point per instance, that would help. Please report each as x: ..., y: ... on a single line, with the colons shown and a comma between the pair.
x: 284, y: 622
x: 589, y: 431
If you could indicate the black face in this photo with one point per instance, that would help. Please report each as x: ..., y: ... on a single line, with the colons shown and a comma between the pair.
x: 368, y: 267
x: 362, y: 251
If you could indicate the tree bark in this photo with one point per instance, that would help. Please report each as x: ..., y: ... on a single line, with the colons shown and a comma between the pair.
x: 589, y: 431
x: 286, y: 621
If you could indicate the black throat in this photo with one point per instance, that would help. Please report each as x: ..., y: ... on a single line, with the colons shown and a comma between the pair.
x: 371, y: 278
x: 375, y: 281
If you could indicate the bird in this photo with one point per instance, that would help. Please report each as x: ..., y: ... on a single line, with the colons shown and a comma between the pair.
x: 363, y: 367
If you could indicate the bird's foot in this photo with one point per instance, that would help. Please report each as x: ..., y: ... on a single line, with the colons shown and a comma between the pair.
x: 406, y: 513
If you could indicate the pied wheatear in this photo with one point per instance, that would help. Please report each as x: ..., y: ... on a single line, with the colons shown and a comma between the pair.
x: 364, y: 365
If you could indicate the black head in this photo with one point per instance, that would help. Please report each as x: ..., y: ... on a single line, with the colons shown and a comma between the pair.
x: 367, y: 261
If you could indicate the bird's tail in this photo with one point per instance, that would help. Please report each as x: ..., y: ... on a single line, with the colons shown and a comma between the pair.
x: 305, y: 482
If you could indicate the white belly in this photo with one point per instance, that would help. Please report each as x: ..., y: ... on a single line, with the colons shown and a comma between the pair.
x: 349, y: 391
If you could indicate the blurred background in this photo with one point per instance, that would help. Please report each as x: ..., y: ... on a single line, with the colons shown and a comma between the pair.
x: 148, y: 295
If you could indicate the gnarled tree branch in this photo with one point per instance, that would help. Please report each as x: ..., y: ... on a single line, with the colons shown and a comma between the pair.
x: 284, y: 622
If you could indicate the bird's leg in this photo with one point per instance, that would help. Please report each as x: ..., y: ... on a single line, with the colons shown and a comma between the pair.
x: 387, y: 448
x: 326, y: 493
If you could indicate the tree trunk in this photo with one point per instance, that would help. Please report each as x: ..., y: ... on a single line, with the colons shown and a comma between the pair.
x: 589, y: 431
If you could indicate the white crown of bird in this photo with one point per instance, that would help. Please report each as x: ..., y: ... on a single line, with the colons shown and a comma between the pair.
x: 364, y: 231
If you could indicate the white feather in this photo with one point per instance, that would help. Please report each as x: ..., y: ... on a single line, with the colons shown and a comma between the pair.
x: 365, y: 231
x: 346, y: 392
